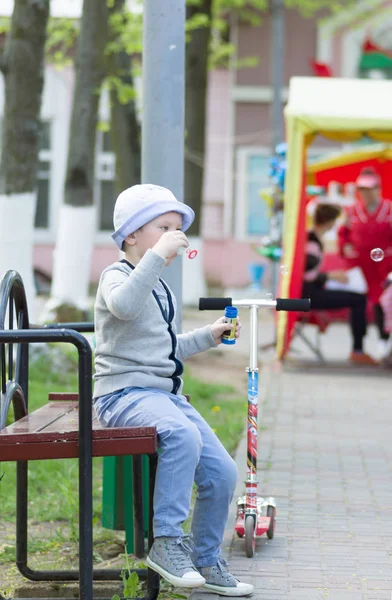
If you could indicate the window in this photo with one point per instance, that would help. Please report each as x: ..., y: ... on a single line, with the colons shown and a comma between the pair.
x: 105, y: 175
x: 252, y: 212
x: 253, y: 169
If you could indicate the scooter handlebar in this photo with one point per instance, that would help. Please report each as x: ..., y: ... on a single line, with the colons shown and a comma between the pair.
x: 293, y: 304
x: 287, y: 304
x: 214, y: 303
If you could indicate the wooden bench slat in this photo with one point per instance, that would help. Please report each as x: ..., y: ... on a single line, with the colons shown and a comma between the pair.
x: 40, y: 418
x: 70, y: 449
x: 70, y: 422
x: 64, y: 436
x: 60, y: 396
x: 52, y: 431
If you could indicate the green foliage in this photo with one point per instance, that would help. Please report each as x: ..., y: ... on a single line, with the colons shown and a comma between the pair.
x: 251, y: 12
x: 62, y: 35
x: 131, y: 584
x: 132, y: 587
x: 127, y: 32
x: 197, y: 21
x: 125, y: 92
x: 225, y: 6
x: 126, y: 29
x: 5, y: 23
x: 309, y: 7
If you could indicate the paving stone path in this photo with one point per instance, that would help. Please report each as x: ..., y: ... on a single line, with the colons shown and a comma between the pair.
x: 326, y: 456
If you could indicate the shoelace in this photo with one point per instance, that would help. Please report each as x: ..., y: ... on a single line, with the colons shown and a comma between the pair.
x: 181, y: 551
x: 223, y: 568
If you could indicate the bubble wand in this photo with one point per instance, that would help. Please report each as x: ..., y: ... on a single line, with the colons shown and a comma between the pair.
x: 191, y: 253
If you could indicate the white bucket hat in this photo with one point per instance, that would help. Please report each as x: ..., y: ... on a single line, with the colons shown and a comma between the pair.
x: 140, y: 204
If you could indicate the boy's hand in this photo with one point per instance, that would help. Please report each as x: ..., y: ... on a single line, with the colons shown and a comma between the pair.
x: 169, y: 242
x: 220, y: 326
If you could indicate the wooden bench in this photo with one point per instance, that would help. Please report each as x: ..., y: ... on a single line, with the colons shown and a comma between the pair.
x: 65, y: 427
x: 52, y: 431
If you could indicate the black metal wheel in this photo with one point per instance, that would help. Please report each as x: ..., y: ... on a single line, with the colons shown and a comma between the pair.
x: 250, y: 540
x: 13, y: 357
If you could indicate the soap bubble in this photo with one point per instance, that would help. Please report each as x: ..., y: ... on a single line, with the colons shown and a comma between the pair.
x: 284, y: 270
x: 269, y: 296
x: 172, y: 47
x: 377, y: 254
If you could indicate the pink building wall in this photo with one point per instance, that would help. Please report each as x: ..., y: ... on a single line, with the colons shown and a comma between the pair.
x: 217, y: 140
x: 300, y: 48
x: 102, y: 257
x: 227, y: 259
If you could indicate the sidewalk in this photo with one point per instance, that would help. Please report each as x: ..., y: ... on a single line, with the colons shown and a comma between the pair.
x: 326, y: 457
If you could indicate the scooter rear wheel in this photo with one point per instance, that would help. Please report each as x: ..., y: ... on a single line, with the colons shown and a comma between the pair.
x: 250, y: 540
x: 271, y: 513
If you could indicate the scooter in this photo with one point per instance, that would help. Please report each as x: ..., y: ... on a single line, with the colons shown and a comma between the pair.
x: 255, y: 515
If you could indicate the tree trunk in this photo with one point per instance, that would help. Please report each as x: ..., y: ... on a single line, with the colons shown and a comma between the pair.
x: 197, y: 52
x: 76, y: 235
x: 125, y: 131
x: 22, y: 64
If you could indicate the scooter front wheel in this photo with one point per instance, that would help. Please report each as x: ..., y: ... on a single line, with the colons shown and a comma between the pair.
x: 250, y: 540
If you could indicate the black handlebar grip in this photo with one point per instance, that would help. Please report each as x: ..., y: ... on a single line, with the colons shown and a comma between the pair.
x: 293, y: 304
x: 214, y: 303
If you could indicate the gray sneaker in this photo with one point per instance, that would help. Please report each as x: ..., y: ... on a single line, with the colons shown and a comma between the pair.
x: 170, y: 557
x: 221, y: 581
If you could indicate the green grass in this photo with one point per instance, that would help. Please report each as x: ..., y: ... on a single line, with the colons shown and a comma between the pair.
x: 220, y: 407
x: 52, y: 483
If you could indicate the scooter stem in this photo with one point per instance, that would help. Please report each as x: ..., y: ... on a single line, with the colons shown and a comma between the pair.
x: 253, y: 338
x: 253, y: 390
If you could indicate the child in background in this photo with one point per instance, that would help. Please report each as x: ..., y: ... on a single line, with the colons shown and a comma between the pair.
x: 138, y: 367
x: 324, y: 220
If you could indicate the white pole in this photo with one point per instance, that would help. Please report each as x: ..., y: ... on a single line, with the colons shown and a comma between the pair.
x: 163, y: 113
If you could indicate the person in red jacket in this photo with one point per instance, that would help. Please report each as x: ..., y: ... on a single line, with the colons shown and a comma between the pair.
x: 367, y: 226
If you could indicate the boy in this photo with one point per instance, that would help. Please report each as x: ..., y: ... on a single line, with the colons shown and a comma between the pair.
x: 137, y: 383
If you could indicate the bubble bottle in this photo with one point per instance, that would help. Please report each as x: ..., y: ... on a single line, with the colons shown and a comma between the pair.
x: 231, y: 314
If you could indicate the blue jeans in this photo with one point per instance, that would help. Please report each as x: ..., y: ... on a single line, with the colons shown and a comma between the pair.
x: 189, y: 452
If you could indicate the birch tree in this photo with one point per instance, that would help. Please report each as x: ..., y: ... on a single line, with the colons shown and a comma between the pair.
x: 78, y: 215
x: 22, y: 66
x: 199, y: 19
x: 125, y: 130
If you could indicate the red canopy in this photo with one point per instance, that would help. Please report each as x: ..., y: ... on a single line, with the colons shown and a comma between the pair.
x: 343, y: 168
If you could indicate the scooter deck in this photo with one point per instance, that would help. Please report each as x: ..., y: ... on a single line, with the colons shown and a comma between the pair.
x: 262, y: 526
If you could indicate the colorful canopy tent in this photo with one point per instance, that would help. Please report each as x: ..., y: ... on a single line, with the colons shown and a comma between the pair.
x: 343, y: 110
x: 345, y: 167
